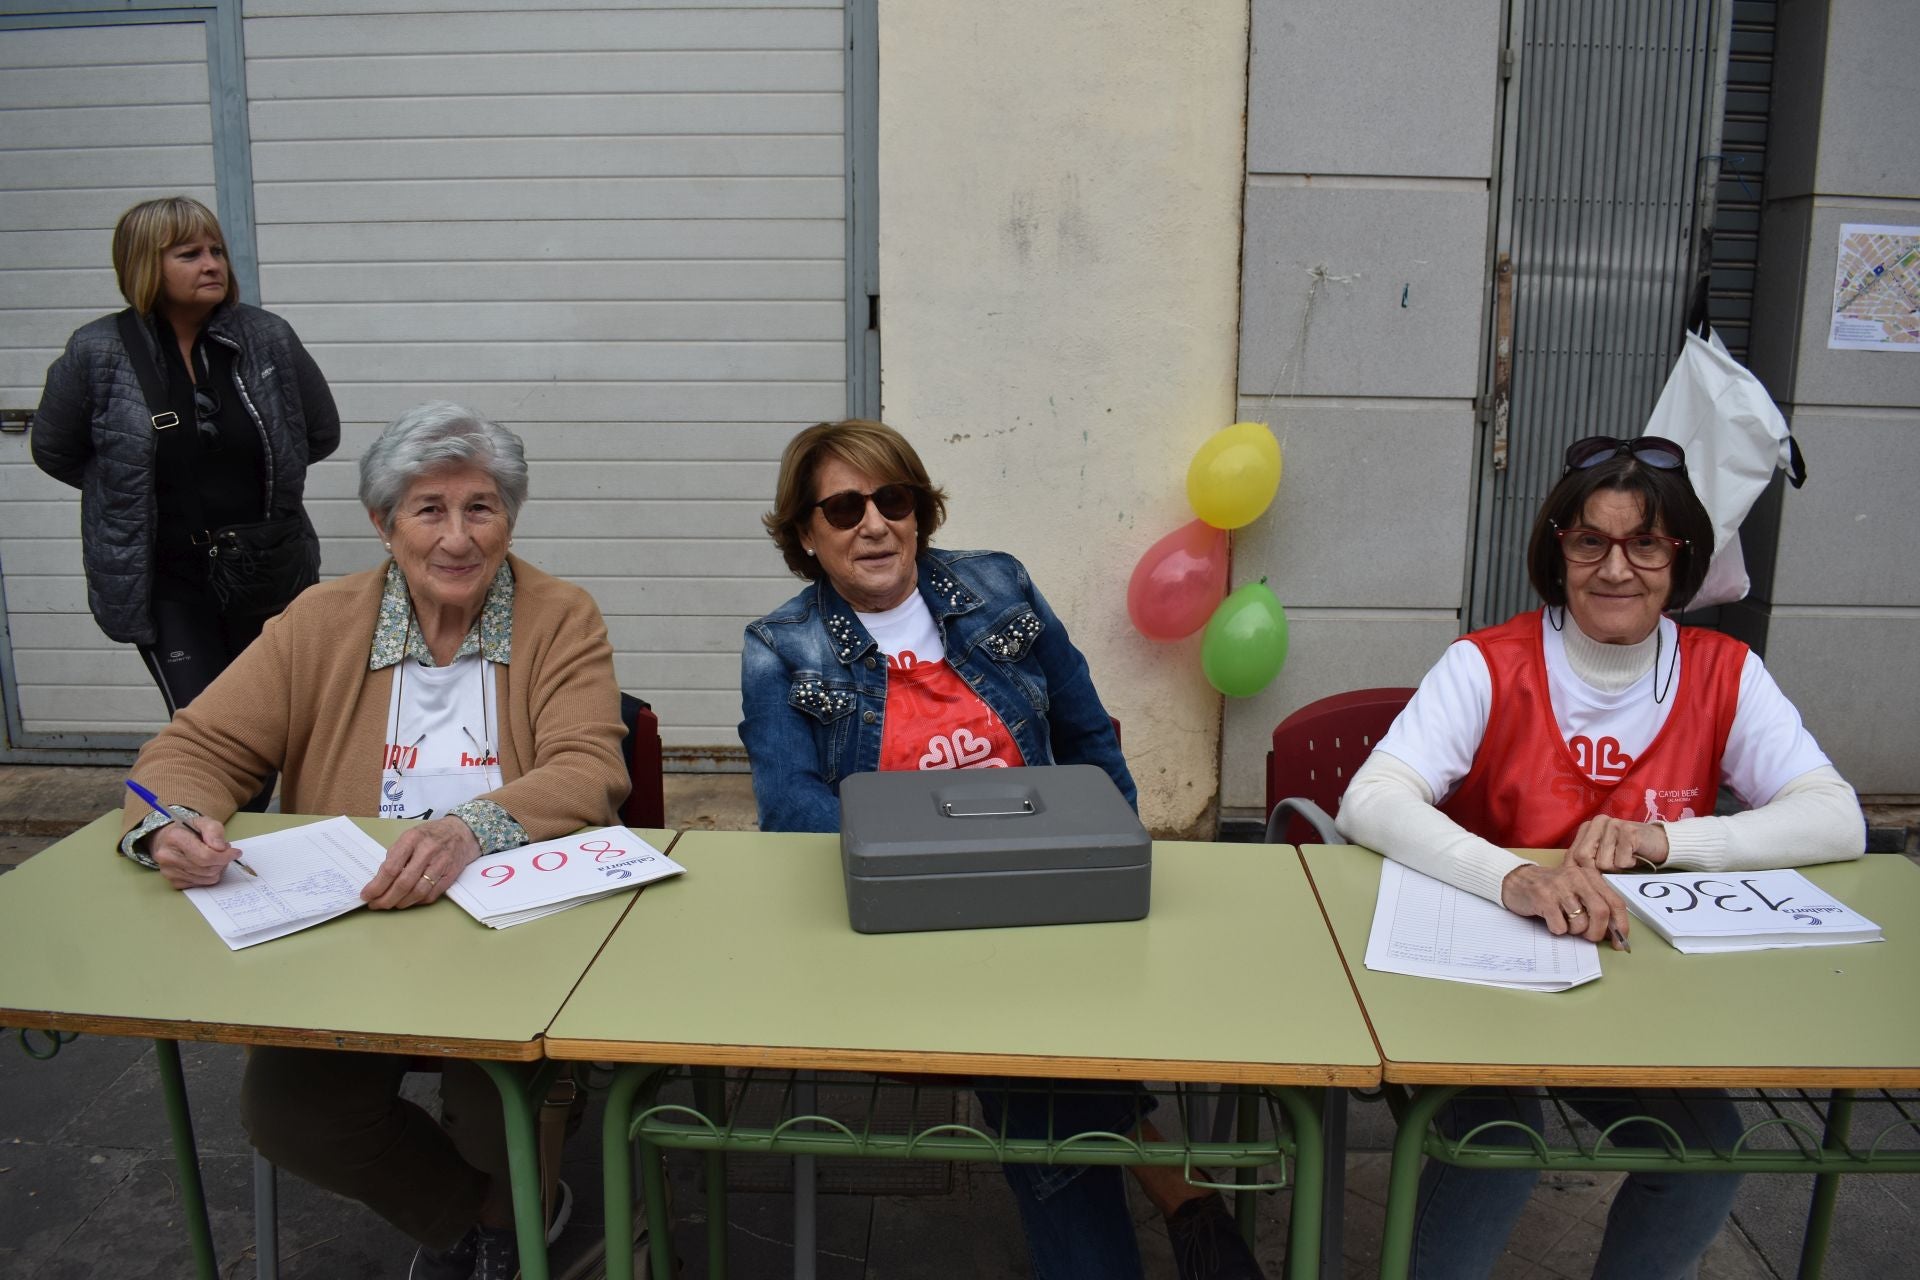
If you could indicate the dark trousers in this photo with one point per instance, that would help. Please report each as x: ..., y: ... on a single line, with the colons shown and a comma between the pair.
x: 192, y: 645
x: 338, y: 1120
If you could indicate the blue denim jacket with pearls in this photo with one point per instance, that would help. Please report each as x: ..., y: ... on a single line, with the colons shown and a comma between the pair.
x: 813, y: 685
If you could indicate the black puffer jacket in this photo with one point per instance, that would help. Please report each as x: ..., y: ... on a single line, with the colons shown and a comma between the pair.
x: 94, y: 431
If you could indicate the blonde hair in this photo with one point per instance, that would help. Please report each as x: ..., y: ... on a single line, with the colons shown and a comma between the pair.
x: 144, y: 234
x: 872, y: 447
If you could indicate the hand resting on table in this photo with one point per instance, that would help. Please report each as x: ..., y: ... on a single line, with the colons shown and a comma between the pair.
x: 1615, y: 844
x: 1570, y: 898
x: 421, y: 864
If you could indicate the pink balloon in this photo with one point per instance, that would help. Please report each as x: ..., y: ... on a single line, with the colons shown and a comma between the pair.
x: 1179, y: 582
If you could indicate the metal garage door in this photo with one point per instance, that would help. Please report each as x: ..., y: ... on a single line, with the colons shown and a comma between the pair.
x: 96, y: 118
x: 622, y: 231
x: 1605, y: 187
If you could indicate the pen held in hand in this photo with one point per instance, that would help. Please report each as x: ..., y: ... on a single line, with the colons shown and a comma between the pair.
x: 1619, y: 939
x: 153, y: 802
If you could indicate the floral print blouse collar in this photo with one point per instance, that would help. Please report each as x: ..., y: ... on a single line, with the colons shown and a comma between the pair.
x: 491, y: 636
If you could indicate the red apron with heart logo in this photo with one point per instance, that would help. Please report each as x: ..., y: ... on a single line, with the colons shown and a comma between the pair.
x: 1531, y: 789
x: 934, y: 721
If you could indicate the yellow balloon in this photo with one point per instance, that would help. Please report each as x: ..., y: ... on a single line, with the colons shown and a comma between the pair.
x: 1234, y: 475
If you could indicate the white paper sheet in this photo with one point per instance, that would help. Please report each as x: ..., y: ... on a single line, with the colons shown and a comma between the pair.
x: 1742, y: 911
x: 306, y: 875
x: 1427, y: 929
x: 537, y: 880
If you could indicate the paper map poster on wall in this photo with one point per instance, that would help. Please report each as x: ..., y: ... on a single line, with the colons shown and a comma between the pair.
x: 1876, y: 289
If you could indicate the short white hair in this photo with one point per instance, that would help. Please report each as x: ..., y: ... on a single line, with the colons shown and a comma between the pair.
x: 439, y: 434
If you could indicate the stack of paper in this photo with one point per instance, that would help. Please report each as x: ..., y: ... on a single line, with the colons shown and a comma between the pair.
x: 1427, y: 929
x: 304, y: 875
x: 539, y: 879
x: 1742, y: 911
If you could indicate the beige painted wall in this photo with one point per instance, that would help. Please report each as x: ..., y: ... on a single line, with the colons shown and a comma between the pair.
x: 1060, y: 190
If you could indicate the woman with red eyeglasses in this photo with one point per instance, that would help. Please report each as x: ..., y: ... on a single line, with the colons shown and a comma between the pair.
x: 899, y: 655
x: 1597, y: 725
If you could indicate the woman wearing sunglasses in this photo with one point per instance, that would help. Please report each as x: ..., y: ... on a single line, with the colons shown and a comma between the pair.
x: 244, y: 411
x: 900, y: 656
x: 1597, y: 725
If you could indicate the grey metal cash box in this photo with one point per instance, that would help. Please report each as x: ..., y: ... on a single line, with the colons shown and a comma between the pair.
x: 987, y: 848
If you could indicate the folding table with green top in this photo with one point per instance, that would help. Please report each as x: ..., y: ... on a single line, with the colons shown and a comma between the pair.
x: 1799, y: 1019
x: 91, y: 942
x: 748, y: 961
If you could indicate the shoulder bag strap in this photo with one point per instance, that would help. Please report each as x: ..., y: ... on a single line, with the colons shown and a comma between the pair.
x: 138, y: 356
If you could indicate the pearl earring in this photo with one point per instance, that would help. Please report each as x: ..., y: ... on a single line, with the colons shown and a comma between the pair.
x: 809, y: 550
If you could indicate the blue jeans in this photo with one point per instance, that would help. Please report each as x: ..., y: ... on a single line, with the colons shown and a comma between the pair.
x: 1075, y: 1217
x: 1659, y: 1225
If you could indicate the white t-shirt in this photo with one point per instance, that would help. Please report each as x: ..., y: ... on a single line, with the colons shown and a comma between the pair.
x: 1441, y: 728
x: 906, y: 633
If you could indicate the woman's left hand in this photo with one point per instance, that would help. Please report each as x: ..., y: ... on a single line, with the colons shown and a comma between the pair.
x: 1612, y: 844
x: 421, y: 864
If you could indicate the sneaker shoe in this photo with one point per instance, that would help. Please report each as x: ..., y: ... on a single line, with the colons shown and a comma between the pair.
x: 463, y: 1261
x: 444, y: 1264
x: 496, y: 1253
x: 1207, y: 1243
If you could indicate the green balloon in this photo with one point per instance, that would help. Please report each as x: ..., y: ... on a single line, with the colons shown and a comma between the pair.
x: 1245, y: 644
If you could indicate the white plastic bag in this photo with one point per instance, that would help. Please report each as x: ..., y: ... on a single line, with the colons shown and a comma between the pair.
x: 1734, y: 437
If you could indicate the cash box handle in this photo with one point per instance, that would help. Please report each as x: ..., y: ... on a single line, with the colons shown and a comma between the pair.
x: 948, y: 808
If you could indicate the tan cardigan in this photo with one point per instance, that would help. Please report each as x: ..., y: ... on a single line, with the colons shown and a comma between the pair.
x: 301, y: 700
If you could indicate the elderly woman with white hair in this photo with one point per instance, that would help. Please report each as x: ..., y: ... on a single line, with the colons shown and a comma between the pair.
x: 454, y: 683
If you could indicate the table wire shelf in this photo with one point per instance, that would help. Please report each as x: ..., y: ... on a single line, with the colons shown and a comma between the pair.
x: 1780, y: 1130
x: 902, y: 1118
x: 36, y: 1043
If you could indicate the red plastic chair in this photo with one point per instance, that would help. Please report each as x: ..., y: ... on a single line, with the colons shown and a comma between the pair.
x: 646, y: 804
x: 1315, y: 752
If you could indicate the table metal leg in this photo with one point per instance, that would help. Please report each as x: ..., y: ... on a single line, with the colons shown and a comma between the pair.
x: 711, y: 1087
x: 659, y: 1220
x: 519, y: 1086
x: 1403, y: 1181
x: 1333, y: 1186
x: 193, y: 1196
x: 266, y: 1219
x: 1826, y: 1186
x: 1303, y: 1253
x: 1246, y: 1206
x: 617, y: 1167
x: 806, y: 1206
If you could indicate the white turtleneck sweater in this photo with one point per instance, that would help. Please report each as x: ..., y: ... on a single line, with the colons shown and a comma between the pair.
x: 1803, y: 810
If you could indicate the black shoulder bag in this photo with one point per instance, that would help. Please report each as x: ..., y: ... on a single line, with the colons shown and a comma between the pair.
x: 252, y: 569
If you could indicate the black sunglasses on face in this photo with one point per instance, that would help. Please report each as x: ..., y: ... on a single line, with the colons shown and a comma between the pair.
x: 848, y: 508
x: 1653, y: 451
x: 206, y: 417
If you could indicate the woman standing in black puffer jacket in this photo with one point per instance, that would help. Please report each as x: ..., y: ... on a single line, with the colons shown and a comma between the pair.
x: 245, y: 412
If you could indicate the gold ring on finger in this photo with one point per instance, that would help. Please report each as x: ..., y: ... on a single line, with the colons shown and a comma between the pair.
x: 431, y: 882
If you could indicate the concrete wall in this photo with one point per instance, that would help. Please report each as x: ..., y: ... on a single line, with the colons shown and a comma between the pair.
x: 1838, y: 601
x: 1370, y: 142
x: 1059, y: 242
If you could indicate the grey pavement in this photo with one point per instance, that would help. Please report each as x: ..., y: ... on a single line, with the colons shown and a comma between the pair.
x: 88, y: 1186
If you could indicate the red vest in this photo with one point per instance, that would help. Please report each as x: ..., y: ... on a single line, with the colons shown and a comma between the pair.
x: 1528, y: 789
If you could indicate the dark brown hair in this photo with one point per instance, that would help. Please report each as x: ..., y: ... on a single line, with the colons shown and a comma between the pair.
x: 872, y: 447
x: 1667, y: 501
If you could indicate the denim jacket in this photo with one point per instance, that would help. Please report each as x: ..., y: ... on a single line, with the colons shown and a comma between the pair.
x: 813, y: 685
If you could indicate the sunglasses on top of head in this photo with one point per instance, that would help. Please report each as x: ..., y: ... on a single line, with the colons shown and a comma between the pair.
x: 1651, y: 451
x: 848, y: 508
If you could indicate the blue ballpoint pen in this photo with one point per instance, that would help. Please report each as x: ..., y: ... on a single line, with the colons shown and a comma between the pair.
x: 153, y: 802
